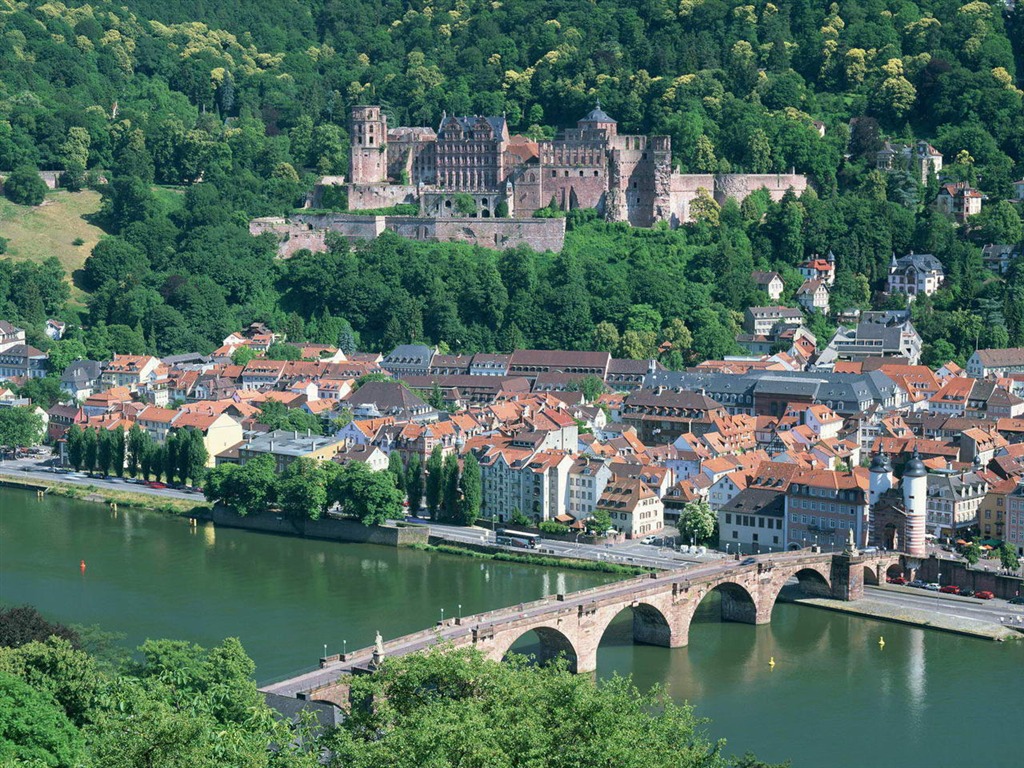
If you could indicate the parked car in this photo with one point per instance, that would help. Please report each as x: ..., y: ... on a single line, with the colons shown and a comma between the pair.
x: 917, y: 584
x: 932, y: 587
x: 648, y: 539
x: 1018, y: 600
x: 896, y: 580
x: 749, y: 561
x: 966, y: 592
x: 983, y: 594
x: 951, y: 589
x: 155, y: 485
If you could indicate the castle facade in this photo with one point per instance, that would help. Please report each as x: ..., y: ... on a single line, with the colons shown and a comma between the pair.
x: 624, y: 177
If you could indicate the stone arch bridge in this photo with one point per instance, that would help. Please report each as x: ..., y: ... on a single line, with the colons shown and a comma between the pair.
x: 663, y: 605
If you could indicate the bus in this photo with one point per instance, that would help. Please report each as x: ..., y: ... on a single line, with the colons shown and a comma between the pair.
x: 504, y: 538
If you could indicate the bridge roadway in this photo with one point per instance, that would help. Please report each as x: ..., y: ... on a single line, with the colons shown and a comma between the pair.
x: 663, y: 606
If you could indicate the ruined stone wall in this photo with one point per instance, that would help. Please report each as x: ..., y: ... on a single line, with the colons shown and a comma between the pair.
x: 362, y: 197
x: 442, y: 203
x: 538, y: 234
x: 683, y: 189
x: 527, y: 191
x: 739, y: 185
x: 575, y: 187
x: 415, y: 157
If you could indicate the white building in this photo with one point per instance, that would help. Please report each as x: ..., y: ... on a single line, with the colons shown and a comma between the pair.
x: 914, y: 274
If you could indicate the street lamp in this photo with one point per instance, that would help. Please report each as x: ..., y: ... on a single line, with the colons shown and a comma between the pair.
x: 325, y: 650
x: 460, y: 611
x: 442, y: 615
x: 344, y: 647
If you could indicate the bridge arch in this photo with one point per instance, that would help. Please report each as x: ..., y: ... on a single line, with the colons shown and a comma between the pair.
x: 870, y: 576
x: 813, y: 582
x: 553, y: 643
x: 738, y: 604
x: 651, y: 624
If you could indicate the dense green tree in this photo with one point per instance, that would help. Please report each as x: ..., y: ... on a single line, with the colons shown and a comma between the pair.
x: 367, y: 495
x: 44, y: 392
x: 416, y: 697
x: 1008, y: 557
x: 33, y: 728
x: 248, y: 489
x: 302, y: 490
x: 697, y: 520
x: 20, y: 427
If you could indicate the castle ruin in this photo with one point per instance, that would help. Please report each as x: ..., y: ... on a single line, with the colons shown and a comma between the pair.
x: 624, y: 177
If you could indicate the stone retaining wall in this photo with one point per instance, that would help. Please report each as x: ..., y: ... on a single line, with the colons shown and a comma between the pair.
x: 331, y: 529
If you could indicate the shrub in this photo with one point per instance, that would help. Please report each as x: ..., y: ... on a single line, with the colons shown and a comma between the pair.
x: 550, y: 526
x: 24, y: 187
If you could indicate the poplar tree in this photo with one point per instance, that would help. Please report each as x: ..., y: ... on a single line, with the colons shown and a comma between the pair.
x: 396, y: 470
x: 414, y: 483
x: 472, y: 490
x: 435, y: 481
x: 90, y: 448
x: 75, y: 447
x: 451, y: 487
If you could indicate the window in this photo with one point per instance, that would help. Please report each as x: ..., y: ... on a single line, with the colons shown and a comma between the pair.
x: 728, y: 519
x: 735, y: 534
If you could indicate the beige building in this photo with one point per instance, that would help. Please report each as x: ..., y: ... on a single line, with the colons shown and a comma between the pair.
x: 634, y: 508
x: 284, y: 445
x: 131, y: 371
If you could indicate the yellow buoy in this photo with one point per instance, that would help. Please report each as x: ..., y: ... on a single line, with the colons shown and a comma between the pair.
x: 881, y: 642
x: 771, y: 662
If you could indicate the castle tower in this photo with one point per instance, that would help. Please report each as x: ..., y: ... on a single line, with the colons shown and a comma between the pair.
x: 915, y: 500
x: 368, y: 160
x: 598, y: 121
x: 879, y: 482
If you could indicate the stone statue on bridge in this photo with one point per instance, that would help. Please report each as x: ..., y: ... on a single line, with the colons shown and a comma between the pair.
x: 378, y: 650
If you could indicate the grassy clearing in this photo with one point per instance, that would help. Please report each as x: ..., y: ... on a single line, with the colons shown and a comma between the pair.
x: 50, y: 229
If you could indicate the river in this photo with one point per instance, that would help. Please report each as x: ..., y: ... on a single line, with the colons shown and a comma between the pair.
x: 835, y: 698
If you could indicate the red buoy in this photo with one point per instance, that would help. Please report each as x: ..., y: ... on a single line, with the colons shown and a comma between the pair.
x: 81, y: 566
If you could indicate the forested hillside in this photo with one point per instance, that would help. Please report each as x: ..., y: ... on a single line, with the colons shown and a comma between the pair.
x: 251, y: 99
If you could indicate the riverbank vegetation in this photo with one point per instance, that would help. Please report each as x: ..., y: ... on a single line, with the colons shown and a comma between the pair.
x: 306, y: 489
x: 527, y: 559
x: 106, y: 495
x: 178, y: 704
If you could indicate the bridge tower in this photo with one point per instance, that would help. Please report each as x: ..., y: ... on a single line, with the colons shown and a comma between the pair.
x: 915, y: 500
x: 880, y: 482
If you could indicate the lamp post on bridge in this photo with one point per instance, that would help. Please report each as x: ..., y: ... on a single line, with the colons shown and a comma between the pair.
x: 442, y: 615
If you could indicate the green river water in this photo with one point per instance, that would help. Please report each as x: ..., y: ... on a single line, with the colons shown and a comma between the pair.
x: 833, y: 699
